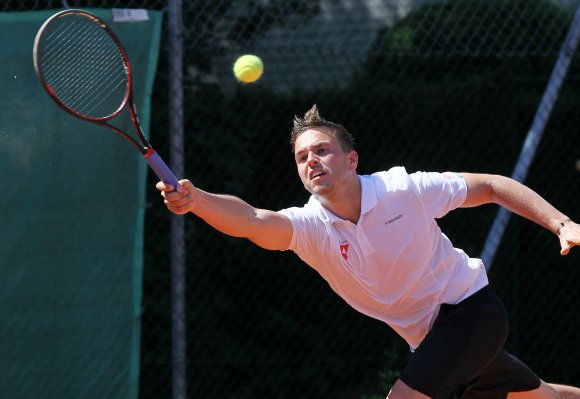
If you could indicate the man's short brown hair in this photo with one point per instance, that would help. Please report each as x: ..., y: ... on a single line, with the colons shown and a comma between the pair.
x: 313, y: 120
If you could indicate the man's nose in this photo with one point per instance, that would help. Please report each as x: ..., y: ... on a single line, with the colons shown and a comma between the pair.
x: 312, y: 158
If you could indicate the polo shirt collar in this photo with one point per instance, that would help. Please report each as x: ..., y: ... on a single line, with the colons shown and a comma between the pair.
x: 369, y: 194
x: 368, y: 202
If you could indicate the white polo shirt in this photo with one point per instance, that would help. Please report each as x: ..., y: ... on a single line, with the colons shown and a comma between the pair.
x: 395, y: 264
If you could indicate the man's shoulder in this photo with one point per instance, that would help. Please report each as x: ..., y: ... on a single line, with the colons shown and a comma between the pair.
x: 309, y: 209
x: 395, y: 178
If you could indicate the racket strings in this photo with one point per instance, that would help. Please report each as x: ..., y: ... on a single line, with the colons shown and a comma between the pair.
x: 100, y: 51
x: 73, y: 82
x: 84, y: 67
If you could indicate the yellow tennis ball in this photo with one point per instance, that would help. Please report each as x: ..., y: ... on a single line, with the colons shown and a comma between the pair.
x: 248, y: 68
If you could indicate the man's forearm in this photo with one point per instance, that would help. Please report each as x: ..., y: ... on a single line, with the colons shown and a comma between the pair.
x: 514, y: 196
x: 226, y: 213
x: 525, y: 202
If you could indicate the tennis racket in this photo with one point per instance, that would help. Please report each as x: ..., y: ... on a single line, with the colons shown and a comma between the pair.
x: 84, y: 68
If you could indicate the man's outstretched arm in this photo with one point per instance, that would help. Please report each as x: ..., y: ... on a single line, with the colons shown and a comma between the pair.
x: 523, y: 201
x: 230, y: 215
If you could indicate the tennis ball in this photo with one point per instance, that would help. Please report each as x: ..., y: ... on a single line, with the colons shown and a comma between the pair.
x: 248, y: 68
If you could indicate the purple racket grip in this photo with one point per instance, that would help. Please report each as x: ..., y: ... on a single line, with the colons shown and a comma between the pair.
x: 160, y: 168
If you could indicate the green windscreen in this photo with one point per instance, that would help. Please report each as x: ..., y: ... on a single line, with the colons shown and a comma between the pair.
x: 71, y: 228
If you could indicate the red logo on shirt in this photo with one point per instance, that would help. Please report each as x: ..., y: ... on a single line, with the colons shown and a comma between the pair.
x: 344, y: 249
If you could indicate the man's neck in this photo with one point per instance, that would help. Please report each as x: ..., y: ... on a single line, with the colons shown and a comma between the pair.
x: 346, y: 202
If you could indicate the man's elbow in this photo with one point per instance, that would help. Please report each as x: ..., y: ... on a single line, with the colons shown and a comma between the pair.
x: 480, y: 189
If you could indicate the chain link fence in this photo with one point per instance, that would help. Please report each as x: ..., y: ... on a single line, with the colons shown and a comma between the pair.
x: 431, y: 85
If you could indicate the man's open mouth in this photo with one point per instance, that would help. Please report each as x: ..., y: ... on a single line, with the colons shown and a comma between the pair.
x: 315, y: 175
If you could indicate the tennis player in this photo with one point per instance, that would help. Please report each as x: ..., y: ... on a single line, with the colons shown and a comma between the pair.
x: 375, y: 240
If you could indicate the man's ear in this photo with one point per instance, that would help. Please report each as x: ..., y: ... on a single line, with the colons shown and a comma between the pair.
x: 353, y: 160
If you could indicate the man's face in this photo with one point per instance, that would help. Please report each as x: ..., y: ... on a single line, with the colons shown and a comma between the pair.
x: 322, y: 163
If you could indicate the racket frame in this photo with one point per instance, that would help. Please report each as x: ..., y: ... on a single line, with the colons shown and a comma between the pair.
x: 143, y: 145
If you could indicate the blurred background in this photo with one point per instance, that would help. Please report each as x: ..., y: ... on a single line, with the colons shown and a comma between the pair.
x: 429, y: 85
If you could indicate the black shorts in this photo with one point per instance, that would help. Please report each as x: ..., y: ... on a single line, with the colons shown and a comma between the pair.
x: 463, y: 353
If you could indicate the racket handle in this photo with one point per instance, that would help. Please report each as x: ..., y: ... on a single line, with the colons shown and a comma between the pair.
x: 160, y: 168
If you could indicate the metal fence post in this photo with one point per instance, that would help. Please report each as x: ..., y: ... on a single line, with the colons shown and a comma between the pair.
x: 178, y: 317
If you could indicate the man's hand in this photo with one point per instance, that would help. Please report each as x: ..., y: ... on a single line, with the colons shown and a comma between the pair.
x: 180, y: 199
x: 569, y: 235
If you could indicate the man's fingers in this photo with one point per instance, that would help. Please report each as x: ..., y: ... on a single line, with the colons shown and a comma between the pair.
x: 565, y: 245
x: 182, y: 185
x: 161, y: 186
x: 178, y: 199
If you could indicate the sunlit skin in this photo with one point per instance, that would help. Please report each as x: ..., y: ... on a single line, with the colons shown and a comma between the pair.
x: 329, y: 172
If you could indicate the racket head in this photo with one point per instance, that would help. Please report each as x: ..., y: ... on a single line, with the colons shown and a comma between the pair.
x: 82, y: 65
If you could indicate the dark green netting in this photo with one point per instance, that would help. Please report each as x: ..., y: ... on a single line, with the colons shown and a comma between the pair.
x: 71, y: 228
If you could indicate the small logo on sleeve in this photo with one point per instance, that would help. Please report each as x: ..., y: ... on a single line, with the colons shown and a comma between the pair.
x: 344, y: 249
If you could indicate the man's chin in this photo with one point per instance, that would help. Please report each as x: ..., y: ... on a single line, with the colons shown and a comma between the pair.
x: 318, y: 190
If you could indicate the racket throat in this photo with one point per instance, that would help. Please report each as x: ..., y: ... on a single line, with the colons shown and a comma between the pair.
x: 147, y: 152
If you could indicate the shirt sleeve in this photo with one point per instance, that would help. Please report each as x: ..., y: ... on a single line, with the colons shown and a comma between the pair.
x: 292, y: 214
x: 440, y: 192
x: 308, y: 232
